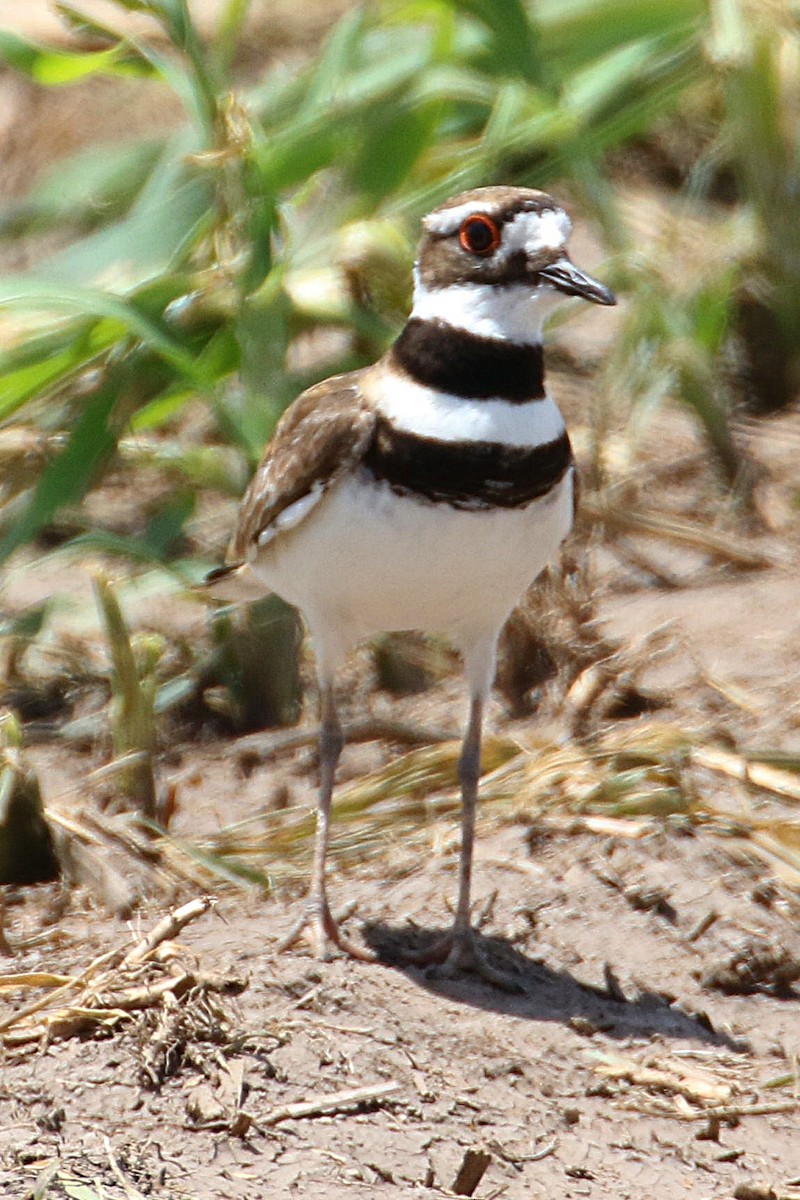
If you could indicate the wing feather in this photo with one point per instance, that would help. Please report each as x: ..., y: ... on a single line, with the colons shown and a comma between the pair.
x: 320, y: 436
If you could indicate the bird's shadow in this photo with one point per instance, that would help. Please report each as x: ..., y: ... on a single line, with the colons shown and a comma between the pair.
x: 544, y: 994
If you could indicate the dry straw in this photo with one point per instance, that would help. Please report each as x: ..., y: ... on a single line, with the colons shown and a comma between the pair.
x: 623, y: 782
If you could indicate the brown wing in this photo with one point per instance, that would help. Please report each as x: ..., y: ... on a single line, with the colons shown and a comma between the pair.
x: 320, y: 436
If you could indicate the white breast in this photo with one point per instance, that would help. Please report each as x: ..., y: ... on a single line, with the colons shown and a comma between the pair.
x: 367, y: 560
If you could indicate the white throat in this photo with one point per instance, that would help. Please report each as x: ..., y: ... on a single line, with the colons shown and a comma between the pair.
x: 514, y: 313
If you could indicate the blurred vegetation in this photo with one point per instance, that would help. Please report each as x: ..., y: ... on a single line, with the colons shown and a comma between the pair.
x: 195, y: 269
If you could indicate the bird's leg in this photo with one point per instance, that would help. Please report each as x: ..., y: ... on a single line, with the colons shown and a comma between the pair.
x: 458, y: 949
x: 317, y: 917
x: 469, y: 773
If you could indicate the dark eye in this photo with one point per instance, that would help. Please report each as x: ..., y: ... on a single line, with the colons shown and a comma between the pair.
x: 479, y: 235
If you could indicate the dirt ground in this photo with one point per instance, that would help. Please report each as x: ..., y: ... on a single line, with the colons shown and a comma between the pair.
x: 653, y: 1048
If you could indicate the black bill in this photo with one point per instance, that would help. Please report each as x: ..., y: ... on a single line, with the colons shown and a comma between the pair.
x: 571, y: 280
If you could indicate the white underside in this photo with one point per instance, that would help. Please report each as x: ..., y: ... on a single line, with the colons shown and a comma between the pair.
x: 367, y: 560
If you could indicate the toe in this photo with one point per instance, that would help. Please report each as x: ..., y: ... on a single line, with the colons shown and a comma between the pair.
x: 322, y: 929
x: 459, y: 951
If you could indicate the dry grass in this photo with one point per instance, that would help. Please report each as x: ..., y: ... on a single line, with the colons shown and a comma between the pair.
x: 108, y: 991
x: 623, y: 782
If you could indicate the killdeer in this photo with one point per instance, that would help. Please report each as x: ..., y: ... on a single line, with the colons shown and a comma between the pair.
x: 426, y: 491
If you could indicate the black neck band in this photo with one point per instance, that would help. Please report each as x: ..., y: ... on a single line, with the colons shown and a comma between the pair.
x: 467, y: 475
x: 464, y: 364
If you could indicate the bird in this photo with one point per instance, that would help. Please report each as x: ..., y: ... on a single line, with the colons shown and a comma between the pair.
x: 426, y: 491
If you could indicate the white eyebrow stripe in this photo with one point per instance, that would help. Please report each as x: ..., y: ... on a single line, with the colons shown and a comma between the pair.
x: 448, y: 219
x: 528, y: 229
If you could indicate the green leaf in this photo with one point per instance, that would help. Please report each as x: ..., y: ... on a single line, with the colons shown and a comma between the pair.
x: 165, y: 528
x: 27, y: 624
x: 44, y: 1180
x: 26, y: 292
x: 334, y: 64
x: 228, y: 33
x: 293, y: 155
x: 224, y: 866
x: 48, y: 360
x: 515, y: 49
x: 90, y: 187
x: 79, y: 1191
x: 19, y: 386
x: 171, y: 210
x: 67, y: 478
x: 576, y: 32
x: 155, y: 546
x: 57, y: 67
x: 390, y: 148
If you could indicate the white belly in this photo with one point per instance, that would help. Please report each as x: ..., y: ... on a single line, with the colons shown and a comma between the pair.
x: 367, y: 560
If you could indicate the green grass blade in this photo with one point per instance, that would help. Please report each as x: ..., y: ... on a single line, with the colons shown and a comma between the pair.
x: 67, y: 478
x: 30, y: 293
x: 170, y: 212
x: 337, y: 60
x: 515, y: 43
x: 52, y: 67
x: 91, y: 187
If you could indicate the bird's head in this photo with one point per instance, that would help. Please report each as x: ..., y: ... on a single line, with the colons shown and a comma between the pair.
x: 494, y: 260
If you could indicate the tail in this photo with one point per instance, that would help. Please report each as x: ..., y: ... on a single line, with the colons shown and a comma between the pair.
x: 236, y: 583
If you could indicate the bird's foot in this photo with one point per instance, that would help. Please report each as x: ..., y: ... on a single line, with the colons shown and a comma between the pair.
x: 322, y: 929
x: 458, y: 951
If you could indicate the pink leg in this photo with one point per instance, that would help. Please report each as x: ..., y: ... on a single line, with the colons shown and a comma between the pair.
x: 317, y: 918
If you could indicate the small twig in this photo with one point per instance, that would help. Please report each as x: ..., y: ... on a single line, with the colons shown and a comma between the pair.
x: 517, y: 1160
x: 373, y: 729
x: 735, y: 766
x: 36, y: 979
x: 143, y: 997
x: 728, y: 1112
x: 334, y: 1102
x: 103, y: 960
x: 308, y: 997
x: 133, y: 840
x: 130, y: 1191
x: 167, y: 928
x: 538, y: 1155
x: 65, y: 1023
x: 5, y: 946
x: 696, y: 1088
x: 702, y: 926
x: 613, y: 985
x: 706, y: 541
x: 71, y: 826
x: 486, y: 912
x: 472, y: 1170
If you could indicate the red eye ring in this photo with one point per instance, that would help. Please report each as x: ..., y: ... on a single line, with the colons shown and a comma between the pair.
x: 479, y: 235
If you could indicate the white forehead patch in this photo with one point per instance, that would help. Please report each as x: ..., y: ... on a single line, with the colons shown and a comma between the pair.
x: 529, y: 231
x: 534, y: 231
